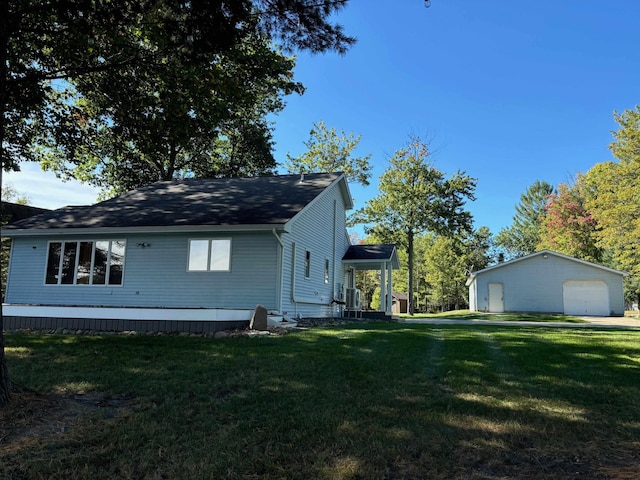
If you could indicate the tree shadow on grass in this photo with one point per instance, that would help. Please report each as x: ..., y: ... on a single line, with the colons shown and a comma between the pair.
x: 360, y: 401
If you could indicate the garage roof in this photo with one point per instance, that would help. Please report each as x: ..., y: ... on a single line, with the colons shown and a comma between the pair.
x: 543, y: 253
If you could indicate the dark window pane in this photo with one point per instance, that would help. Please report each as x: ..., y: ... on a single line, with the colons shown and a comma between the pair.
x: 84, y: 263
x: 116, y: 265
x: 69, y: 262
x: 53, y: 263
x: 307, y: 264
x: 100, y: 263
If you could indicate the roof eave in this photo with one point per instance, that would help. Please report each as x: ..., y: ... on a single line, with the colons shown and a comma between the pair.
x: 44, y: 232
x: 545, y: 252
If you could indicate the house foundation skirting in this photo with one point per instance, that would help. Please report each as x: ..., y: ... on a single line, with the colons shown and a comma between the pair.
x: 123, y: 319
x: 119, y: 325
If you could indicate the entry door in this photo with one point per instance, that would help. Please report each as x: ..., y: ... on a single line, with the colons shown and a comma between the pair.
x: 496, y: 298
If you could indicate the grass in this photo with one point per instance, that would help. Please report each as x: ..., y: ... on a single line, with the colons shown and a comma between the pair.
x: 499, y: 317
x: 366, y: 401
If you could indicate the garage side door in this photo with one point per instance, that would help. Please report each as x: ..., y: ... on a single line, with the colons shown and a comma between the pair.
x: 586, y: 297
x: 496, y: 298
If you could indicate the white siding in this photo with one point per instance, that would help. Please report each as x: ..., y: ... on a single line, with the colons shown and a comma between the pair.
x: 535, y: 284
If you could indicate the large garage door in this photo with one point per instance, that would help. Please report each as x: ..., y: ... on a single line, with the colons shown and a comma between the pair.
x: 586, y: 297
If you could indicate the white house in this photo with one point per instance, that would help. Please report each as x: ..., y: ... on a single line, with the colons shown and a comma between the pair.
x: 547, y: 282
x: 191, y: 255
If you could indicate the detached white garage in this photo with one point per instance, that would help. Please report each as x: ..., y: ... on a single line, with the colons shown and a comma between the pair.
x: 548, y: 282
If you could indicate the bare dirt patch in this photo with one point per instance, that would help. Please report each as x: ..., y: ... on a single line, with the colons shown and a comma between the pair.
x: 32, y: 418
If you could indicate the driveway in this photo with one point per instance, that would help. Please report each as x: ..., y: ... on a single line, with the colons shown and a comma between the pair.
x: 594, y: 322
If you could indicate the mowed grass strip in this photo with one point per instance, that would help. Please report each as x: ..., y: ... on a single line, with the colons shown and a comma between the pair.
x: 355, y: 402
x: 499, y: 317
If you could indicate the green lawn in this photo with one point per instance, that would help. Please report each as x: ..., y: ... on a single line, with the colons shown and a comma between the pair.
x: 369, y: 401
x: 499, y: 317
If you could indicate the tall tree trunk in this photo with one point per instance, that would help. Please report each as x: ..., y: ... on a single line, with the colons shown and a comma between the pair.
x: 410, y: 308
x: 5, y: 383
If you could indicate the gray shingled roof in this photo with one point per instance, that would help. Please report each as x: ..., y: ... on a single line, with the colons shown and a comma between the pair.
x: 14, y: 212
x: 369, y: 256
x: 264, y: 201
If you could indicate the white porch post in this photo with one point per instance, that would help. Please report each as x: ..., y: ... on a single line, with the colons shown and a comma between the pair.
x: 389, y: 289
x: 383, y: 287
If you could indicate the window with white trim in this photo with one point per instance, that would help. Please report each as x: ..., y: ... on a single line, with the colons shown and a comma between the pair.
x: 99, y: 262
x: 209, y: 255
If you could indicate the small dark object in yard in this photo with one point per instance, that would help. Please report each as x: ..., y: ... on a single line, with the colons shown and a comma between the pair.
x: 259, y: 319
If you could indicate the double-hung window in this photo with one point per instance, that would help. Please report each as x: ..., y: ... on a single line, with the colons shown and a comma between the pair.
x: 92, y: 262
x: 209, y: 255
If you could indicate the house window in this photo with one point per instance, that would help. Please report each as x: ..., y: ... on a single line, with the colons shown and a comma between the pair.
x: 209, y: 255
x: 326, y: 271
x: 307, y: 264
x: 85, y: 263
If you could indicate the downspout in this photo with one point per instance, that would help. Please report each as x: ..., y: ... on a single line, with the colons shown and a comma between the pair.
x: 335, y: 249
x: 280, y: 271
x: 389, y: 308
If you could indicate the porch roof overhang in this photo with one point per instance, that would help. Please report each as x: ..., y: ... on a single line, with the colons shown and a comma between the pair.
x: 370, y: 257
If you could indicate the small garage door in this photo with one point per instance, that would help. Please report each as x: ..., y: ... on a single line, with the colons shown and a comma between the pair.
x: 586, y: 297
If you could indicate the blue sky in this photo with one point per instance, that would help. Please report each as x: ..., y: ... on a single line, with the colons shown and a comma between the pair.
x: 508, y: 91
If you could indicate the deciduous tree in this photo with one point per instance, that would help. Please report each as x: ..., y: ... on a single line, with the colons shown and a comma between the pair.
x: 174, y: 120
x: 415, y: 197
x: 445, y: 272
x: 330, y: 151
x: 613, y: 198
x: 568, y: 227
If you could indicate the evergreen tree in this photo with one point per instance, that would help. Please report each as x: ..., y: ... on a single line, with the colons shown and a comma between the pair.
x: 522, y: 237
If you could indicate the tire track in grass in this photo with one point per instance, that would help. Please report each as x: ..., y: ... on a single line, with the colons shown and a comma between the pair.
x: 434, y: 368
x: 506, y: 371
x: 427, y: 380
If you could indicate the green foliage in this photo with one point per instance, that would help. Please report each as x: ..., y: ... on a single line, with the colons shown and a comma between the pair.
x: 330, y: 151
x: 173, y: 120
x: 522, y: 237
x: 479, y: 248
x: 11, y: 194
x: 448, y: 261
x: 613, y: 198
x: 415, y: 197
x: 445, y: 273
x: 80, y: 41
